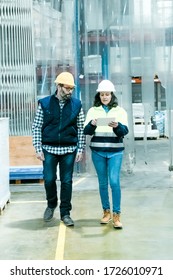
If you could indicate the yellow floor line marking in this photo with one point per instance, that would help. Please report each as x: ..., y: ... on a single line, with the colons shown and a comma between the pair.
x: 59, y: 254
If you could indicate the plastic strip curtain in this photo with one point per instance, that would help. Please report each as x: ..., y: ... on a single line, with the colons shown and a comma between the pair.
x: 134, y: 31
x: 164, y: 61
x: 119, y: 27
x: 105, y: 55
x: 55, y: 43
x: 17, y: 76
x: 91, y: 58
x: 142, y: 57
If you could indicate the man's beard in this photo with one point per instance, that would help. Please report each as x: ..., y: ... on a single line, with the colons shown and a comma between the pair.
x: 67, y: 96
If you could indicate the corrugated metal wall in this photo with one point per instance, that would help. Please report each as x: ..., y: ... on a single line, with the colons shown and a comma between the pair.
x: 17, y: 68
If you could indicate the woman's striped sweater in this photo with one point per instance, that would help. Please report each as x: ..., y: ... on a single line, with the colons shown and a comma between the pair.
x: 105, y: 138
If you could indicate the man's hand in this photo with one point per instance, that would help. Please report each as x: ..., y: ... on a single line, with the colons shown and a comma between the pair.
x: 79, y: 157
x: 40, y: 156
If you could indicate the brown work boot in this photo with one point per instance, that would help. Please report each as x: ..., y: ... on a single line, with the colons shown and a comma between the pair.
x: 116, y: 221
x: 106, y: 217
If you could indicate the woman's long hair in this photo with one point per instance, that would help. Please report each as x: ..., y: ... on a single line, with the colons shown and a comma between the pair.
x: 112, y: 103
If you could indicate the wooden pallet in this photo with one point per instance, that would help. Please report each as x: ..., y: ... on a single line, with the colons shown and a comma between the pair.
x: 23, y: 157
x: 22, y: 151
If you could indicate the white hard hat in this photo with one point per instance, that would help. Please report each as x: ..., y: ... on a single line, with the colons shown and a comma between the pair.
x: 106, y: 86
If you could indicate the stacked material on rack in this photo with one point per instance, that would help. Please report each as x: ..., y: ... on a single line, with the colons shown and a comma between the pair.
x: 160, y: 121
x: 139, y: 121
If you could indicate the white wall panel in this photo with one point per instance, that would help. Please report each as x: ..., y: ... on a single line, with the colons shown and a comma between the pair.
x: 4, y: 162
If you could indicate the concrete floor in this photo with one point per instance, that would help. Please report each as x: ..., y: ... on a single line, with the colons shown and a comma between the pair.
x: 147, y: 207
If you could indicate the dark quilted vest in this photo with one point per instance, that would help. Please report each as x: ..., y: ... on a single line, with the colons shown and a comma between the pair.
x: 59, y: 127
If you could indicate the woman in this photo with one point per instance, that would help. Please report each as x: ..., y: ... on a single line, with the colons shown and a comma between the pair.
x: 107, y: 147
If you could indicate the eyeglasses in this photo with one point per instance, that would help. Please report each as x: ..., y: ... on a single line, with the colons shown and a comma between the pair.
x: 69, y: 88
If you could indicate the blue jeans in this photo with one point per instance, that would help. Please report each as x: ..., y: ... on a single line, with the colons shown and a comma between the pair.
x: 66, y: 166
x: 108, y: 168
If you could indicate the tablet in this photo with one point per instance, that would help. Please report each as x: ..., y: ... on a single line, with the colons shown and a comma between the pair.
x: 105, y: 121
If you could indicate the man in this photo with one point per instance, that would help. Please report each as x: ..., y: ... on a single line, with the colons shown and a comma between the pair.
x: 58, y: 139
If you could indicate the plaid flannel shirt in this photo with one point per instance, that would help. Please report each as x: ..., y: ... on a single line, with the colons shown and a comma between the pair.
x: 37, y: 135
